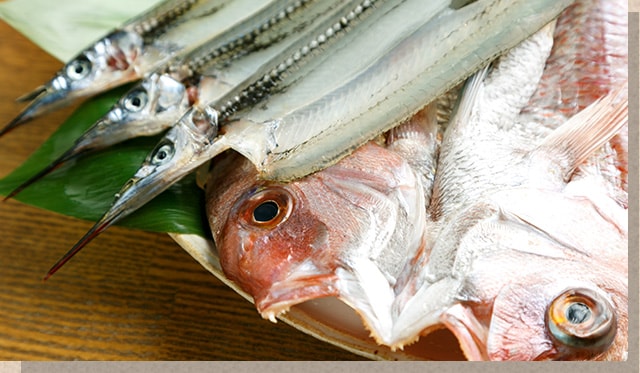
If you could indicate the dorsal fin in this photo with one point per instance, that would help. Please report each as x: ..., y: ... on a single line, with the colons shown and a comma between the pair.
x: 588, y: 130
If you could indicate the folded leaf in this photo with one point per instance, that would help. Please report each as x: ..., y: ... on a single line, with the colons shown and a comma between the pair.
x: 85, y: 188
x: 64, y: 27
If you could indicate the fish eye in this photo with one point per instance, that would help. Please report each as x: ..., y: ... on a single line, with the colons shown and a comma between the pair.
x: 135, y: 101
x: 582, y: 319
x: 265, y: 212
x: 162, y: 153
x: 268, y: 207
x: 78, y: 68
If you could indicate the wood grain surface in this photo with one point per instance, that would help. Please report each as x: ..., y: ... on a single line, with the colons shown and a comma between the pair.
x: 129, y: 295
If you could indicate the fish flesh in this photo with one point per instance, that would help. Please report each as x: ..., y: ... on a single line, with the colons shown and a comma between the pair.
x: 138, y: 47
x: 528, y: 237
x: 195, y: 130
x: 304, y: 125
x: 286, y: 243
x: 211, y: 70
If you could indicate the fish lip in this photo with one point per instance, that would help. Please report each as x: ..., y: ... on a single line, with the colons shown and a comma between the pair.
x: 42, y: 100
x: 283, y: 295
x: 470, y: 333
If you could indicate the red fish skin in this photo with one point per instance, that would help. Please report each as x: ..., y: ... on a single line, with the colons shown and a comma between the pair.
x: 589, y: 59
x: 315, y: 231
x: 351, y: 231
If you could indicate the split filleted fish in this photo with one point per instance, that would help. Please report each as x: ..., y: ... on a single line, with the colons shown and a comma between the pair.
x: 530, y: 235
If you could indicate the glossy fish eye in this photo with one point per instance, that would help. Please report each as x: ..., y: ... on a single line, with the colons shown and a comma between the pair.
x: 78, y: 68
x: 582, y: 319
x: 267, y: 208
x: 265, y: 212
x: 135, y: 101
x: 162, y: 153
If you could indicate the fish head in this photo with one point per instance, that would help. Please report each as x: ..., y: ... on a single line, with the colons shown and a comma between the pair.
x: 110, y: 62
x: 189, y: 144
x: 151, y: 106
x: 269, y: 240
x: 558, y: 321
x: 346, y: 231
x: 537, y: 290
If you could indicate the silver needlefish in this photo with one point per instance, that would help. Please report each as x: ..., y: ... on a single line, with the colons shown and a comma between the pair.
x: 138, y: 47
x: 210, y: 71
x: 530, y: 262
x: 335, y: 93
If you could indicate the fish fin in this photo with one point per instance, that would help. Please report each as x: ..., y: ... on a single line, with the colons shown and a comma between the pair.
x: 588, y: 130
x: 469, y: 95
x: 417, y: 141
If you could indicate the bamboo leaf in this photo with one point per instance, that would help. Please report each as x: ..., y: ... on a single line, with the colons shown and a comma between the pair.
x: 85, y: 188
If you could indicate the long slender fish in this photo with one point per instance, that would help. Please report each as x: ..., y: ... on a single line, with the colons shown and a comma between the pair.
x: 205, y: 118
x: 210, y: 71
x: 138, y: 47
x: 516, y: 215
x: 371, y: 79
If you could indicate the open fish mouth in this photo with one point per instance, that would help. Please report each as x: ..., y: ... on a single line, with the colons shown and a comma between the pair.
x: 281, y: 296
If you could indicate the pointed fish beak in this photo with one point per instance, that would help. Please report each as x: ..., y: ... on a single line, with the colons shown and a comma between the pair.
x: 189, y: 144
x: 96, y: 137
x: 43, y: 99
x: 145, y: 110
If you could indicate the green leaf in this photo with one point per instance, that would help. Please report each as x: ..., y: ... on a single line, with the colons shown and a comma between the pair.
x: 64, y: 27
x: 85, y: 188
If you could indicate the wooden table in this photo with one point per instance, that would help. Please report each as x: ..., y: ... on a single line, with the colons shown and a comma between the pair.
x: 130, y: 295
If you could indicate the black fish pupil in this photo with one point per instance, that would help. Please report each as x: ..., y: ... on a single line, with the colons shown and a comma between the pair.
x: 577, y: 313
x: 162, y: 155
x: 79, y: 69
x: 136, y: 101
x: 266, y: 211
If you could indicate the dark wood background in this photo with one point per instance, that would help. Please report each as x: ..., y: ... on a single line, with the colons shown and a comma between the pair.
x: 130, y: 295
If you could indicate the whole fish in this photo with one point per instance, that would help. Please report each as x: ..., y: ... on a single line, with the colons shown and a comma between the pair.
x: 210, y: 71
x: 530, y: 261
x: 138, y: 47
x: 291, y: 122
x: 348, y: 231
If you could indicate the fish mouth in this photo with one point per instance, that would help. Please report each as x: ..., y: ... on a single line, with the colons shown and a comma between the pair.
x: 283, y: 295
x: 468, y: 330
x: 43, y: 99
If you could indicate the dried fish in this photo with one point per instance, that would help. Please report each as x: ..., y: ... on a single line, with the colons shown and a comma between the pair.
x: 210, y: 71
x: 304, y: 124
x: 138, y: 47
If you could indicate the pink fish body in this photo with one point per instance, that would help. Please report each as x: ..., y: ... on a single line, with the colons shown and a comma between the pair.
x: 534, y: 231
